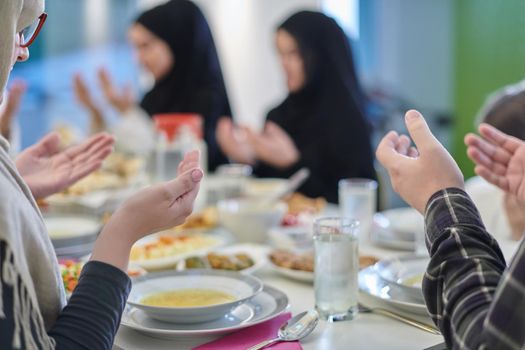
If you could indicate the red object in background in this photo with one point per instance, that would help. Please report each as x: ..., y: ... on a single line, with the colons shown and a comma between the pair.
x: 170, y: 123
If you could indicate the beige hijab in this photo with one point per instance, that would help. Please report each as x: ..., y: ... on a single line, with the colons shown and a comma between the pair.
x: 29, y: 255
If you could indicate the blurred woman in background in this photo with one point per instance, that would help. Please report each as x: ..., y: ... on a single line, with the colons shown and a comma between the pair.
x: 174, y: 43
x: 321, y: 123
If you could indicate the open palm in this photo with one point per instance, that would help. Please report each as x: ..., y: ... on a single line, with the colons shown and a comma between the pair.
x: 47, y: 170
x: 499, y: 158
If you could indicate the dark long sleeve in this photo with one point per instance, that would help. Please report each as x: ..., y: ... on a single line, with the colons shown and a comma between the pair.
x: 89, y: 321
x: 92, y: 317
x: 476, y: 303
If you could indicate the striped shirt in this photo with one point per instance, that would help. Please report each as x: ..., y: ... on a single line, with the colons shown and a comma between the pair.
x: 473, y: 298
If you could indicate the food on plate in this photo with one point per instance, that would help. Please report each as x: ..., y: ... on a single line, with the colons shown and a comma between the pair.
x: 70, y: 271
x: 208, y: 218
x: 305, y: 261
x: 169, y: 245
x: 367, y: 260
x: 299, y: 203
x: 232, y: 262
x: 414, y: 281
x: 187, y: 298
x: 294, y: 261
x: 117, y: 171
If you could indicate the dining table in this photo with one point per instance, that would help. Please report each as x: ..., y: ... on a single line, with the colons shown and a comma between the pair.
x: 367, y: 331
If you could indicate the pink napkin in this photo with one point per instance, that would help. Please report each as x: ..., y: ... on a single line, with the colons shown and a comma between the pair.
x: 253, y: 335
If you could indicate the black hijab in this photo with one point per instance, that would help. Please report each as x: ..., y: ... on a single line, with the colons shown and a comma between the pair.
x: 195, y: 84
x: 181, y: 24
x: 325, y: 118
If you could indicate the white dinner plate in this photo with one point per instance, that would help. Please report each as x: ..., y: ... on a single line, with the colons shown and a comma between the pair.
x: 266, y: 305
x: 373, y: 285
x: 257, y: 252
x: 298, y: 275
x: 171, y: 261
x: 405, y: 273
x: 397, y: 229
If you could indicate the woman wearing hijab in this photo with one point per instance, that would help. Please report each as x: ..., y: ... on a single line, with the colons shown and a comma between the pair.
x: 174, y: 43
x: 33, y: 311
x: 320, y: 125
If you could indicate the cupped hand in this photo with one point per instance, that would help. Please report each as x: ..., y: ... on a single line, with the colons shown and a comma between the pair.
x: 123, y: 100
x: 46, y: 169
x: 274, y: 146
x: 12, y: 105
x: 416, y: 174
x: 152, y: 209
x: 233, y: 142
x: 499, y: 158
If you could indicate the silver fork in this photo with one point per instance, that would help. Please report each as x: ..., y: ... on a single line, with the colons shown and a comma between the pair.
x: 404, y: 319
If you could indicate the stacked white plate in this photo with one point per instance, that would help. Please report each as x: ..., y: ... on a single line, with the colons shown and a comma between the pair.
x: 72, y: 235
x: 396, y: 282
x: 397, y: 229
x: 253, y: 304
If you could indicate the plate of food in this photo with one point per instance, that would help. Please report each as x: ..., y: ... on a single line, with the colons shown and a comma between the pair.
x: 70, y: 272
x: 300, y: 265
x: 164, y: 250
x: 245, y: 258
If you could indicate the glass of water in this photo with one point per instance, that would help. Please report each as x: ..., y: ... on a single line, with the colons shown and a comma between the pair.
x: 336, y: 268
x: 357, y: 200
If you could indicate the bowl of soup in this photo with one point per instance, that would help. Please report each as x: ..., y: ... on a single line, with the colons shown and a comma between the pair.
x: 250, y: 219
x: 192, y: 296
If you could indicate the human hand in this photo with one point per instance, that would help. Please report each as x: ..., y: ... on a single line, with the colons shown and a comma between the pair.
x: 417, y: 174
x: 515, y: 213
x: 12, y: 105
x: 274, y: 146
x: 233, y: 142
x: 47, y: 170
x: 151, y: 210
x: 124, y: 100
x: 83, y: 95
x: 499, y: 158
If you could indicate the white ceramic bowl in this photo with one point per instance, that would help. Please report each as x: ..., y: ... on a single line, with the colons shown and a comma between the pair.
x: 248, y: 220
x: 72, y: 234
x: 291, y: 237
x: 258, y: 188
x: 242, y: 287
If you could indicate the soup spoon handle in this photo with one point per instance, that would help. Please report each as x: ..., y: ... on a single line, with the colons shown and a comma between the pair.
x: 264, y: 344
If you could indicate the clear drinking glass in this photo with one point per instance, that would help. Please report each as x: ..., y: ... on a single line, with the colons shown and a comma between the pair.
x: 357, y: 200
x: 336, y: 268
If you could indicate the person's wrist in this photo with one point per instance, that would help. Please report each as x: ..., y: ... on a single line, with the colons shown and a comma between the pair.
x: 122, y: 227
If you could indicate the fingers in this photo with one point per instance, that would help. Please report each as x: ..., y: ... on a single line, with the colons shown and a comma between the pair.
x: 13, y: 99
x: 488, y: 151
x: 191, y: 160
x: 413, y: 153
x: 92, y: 144
x: 403, y: 145
x: 184, y: 184
x: 499, y: 138
x: 419, y: 130
x: 482, y: 159
x: 386, y: 150
x: 48, y: 145
x: 495, y: 179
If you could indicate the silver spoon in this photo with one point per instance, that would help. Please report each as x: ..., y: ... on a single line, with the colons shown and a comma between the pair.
x: 293, y: 183
x: 296, y: 328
